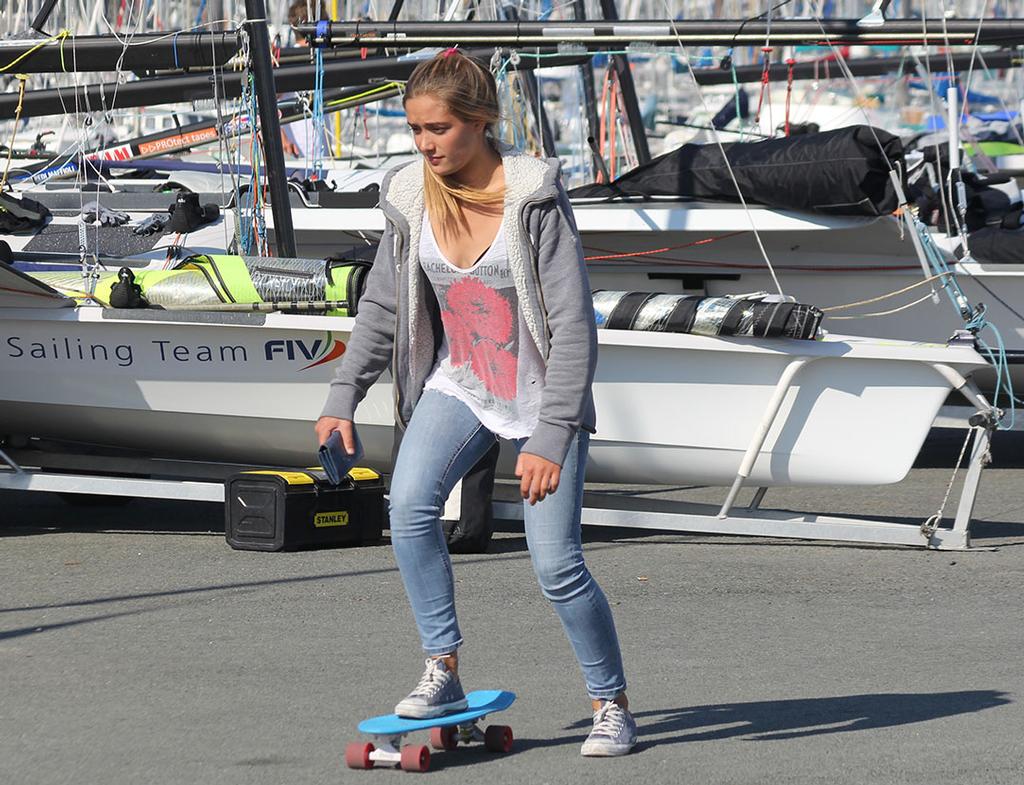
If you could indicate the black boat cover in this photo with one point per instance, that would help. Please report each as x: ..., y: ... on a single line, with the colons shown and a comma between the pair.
x: 685, y: 313
x: 840, y: 172
x: 997, y: 244
x: 991, y: 200
x: 17, y: 215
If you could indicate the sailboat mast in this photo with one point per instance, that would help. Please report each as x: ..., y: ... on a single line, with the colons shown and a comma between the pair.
x: 270, y: 128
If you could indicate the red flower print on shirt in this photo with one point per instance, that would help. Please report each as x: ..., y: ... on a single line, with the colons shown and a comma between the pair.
x: 488, y: 314
x: 460, y: 339
x: 496, y: 368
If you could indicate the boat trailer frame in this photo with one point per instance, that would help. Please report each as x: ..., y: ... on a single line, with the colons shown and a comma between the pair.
x: 754, y: 521
x: 197, y: 481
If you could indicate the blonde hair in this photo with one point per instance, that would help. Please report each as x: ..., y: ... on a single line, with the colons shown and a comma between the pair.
x: 469, y: 91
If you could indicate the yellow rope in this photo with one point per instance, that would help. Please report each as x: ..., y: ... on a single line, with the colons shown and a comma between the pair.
x: 59, y: 37
x: 885, y: 296
x: 22, y: 78
x: 373, y: 91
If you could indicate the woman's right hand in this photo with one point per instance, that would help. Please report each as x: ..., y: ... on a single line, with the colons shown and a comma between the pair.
x: 325, y: 426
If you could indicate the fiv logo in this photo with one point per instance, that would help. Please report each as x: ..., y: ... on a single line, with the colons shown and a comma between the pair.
x: 318, y: 350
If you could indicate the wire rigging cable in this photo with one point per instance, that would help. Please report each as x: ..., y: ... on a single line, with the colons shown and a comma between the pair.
x: 725, y: 158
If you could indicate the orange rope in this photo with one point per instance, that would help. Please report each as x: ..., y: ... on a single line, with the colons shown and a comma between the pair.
x: 766, y: 55
x: 604, y: 121
x: 614, y: 121
x: 789, y: 90
x: 705, y: 241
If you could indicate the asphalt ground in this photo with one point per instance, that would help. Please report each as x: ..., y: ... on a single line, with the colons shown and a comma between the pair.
x: 137, y: 647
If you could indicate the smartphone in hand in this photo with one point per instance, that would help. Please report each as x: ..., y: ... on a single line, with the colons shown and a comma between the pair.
x: 333, y: 458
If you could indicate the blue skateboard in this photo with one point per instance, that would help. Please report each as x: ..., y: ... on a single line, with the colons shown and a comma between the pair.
x: 446, y: 732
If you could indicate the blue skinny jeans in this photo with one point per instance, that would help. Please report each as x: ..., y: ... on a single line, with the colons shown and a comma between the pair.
x: 443, y: 441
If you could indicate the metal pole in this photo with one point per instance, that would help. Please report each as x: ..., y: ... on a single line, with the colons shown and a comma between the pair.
x: 194, y: 135
x: 344, y: 72
x: 602, y: 33
x: 270, y: 128
x: 396, y: 9
x: 767, y: 420
x: 589, y: 93
x: 867, y: 66
x: 148, y: 52
x: 43, y: 16
x: 625, y: 78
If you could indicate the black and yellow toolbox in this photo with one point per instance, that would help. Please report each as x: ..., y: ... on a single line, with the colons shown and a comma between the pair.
x: 269, y: 510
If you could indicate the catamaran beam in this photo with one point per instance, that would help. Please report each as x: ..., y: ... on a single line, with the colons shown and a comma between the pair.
x: 597, y: 34
x: 148, y: 51
x: 874, y: 66
x: 176, y: 89
x: 187, y: 137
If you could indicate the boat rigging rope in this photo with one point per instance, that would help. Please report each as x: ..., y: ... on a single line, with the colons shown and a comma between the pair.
x: 997, y: 357
x: 929, y: 526
x: 789, y: 89
x: 766, y: 60
x: 316, y: 151
x: 974, y: 318
x: 52, y: 39
x: 889, y: 312
x: 725, y: 158
x: 958, y: 200
x: 924, y: 69
x: 216, y: 79
x: 516, y: 130
x: 651, y: 252
x: 974, y: 56
x: 22, y: 79
x: 886, y: 296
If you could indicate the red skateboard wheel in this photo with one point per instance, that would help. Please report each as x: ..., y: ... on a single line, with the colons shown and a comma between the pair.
x: 415, y: 757
x: 498, y: 738
x: 357, y: 755
x: 444, y: 738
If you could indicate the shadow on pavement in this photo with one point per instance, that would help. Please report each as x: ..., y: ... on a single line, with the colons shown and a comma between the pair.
x: 783, y: 719
x: 801, y: 717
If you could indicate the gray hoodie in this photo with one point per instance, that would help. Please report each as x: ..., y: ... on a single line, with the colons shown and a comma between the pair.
x: 399, y: 319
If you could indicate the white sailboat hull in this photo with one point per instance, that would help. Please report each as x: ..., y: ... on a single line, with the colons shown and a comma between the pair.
x: 671, y: 408
x: 710, y: 249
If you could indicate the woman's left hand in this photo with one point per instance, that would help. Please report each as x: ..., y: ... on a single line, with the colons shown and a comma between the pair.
x: 538, y: 476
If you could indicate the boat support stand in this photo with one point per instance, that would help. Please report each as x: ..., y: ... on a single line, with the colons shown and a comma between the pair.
x: 668, y: 515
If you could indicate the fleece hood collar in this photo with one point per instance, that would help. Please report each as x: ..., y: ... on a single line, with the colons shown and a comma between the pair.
x: 528, y: 180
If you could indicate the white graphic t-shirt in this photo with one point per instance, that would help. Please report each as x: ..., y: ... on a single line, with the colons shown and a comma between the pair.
x: 487, y: 359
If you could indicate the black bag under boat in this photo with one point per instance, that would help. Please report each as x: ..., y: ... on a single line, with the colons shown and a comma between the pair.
x: 684, y: 313
x: 840, y: 172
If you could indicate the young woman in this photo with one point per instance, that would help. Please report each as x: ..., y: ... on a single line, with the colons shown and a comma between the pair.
x: 479, y: 301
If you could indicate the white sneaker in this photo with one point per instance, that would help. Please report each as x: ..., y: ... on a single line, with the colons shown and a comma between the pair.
x: 439, y: 692
x: 614, y: 732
